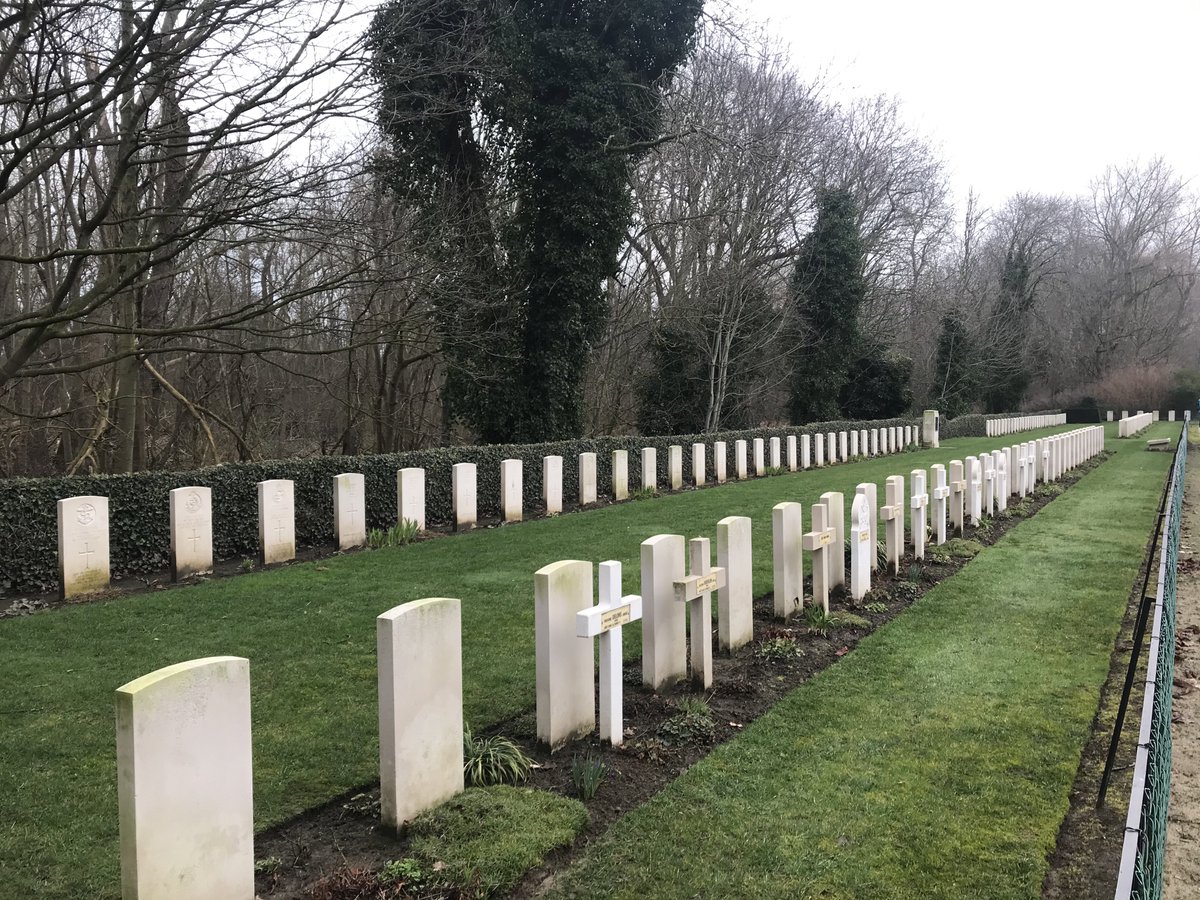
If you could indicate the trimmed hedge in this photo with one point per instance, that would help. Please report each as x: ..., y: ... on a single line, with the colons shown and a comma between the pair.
x: 975, y: 424
x: 139, y: 503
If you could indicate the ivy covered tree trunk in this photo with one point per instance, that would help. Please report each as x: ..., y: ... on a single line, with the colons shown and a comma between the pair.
x: 827, y: 291
x: 515, y: 127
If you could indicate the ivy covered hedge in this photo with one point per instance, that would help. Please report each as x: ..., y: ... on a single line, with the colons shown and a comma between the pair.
x: 138, y: 504
x: 975, y: 424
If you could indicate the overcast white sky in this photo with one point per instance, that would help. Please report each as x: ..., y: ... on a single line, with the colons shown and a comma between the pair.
x: 1020, y: 95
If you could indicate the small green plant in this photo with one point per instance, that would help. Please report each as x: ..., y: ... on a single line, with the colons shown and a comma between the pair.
x: 777, y: 649
x: 821, y: 622
x: 403, y: 532
x: 693, y: 724
x: 642, y: 493
x: 984, y: 528
x: 247, y: 565
x: 881, y: 557
x: 268, y: 865
x: 916, y: 573
x: 587, y: 774
x: 876, y: 607
x: 406, y: 872
x: 776, y: 470
x: 962, y: 548
x: 1049, y: 489
x: 493, y: 760
x: 905, y: 590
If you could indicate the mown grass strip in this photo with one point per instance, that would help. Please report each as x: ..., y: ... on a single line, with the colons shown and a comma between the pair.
x: 934, y: 761
x: 309, y: 633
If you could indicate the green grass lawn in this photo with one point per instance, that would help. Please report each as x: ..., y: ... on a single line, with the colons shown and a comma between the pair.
x: 937, y: 759
x: 309, y: 633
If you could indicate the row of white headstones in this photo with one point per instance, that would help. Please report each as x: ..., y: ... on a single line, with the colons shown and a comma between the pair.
x: 183, y: 732
x: 83, y: 522
x: 1016, y: 424
x: 1129, y: 426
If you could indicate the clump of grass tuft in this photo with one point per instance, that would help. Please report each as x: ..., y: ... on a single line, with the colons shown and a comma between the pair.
x: 642, y: 493
x: 403, y: 532
x: 962, y: 548
x: 776, y: 470
x: 915, y: 573
x: 820, y: 622
x: 493, y: 760
x: 587, y: 774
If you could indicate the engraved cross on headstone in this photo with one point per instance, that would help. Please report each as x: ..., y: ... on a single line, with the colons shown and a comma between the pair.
x: 87, y: 554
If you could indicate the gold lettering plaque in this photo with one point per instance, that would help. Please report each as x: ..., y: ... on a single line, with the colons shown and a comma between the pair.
x: 706, y: 583
x: 864, y: 536
x: 615, y: 618
x: 826, y: 538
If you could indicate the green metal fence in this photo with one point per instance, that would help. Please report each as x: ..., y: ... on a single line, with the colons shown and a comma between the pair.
x: 1141, y: 873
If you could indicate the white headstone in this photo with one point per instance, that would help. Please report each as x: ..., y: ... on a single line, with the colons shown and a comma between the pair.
x: 696, y: 591
x: 620, y: 474
x: 587, y: 479
x: 843, y: 445
x: 277, y: 520
x: 735, y: 601
x: 606, y: 621
x: 806, y: 451
x: 819, y: 447
x: 698, y: 464
x: 831, y: 455
x: 462, y: 486
x: 835, y: 505
x: 874, y: 441
x: 792, y: 461
x: 958, y: 495
x: 512, y: 490
x: 760, y: 457
x: 720, y: 459
x: 191, y: 532
x: 419, y: 648
x: 819, y: 543
x: 566, y: 704
x: 787, y: 541
x: 552, y: 490
x: 776, y: 453
x: 930, y: 427
x: 410, y: 496
x: 675, y: 466
x: 1000, y: 467
x: 664, y: 651
x: 739, y: 452
x: 988, y: 483
x: 892, y: 513
x: 650, y: 469
x: 854, y: 443
x: 185, y: 784
x: 941, y: 497
x: 868, y: 491
x: 350, y: 510
x: 862, y: 549
x: 974, y: 489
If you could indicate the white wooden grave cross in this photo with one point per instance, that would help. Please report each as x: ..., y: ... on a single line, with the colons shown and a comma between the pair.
x: 958, y: 488
x: 605, y: 621
x: 989, y: 483
x: 818, y: 542
x: 892, y: 512
x: 941, y: 493
x: 1000, y: 464
x: 919, y: 503
x: 696, y: 590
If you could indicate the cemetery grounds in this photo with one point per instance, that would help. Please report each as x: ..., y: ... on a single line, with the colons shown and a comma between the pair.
x: 934, y: 759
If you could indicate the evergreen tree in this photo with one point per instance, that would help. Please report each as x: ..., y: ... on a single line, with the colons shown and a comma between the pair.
x: 827, y: 290
x: 515, y: 126
x: 880, y: 387
x: 955, y: 384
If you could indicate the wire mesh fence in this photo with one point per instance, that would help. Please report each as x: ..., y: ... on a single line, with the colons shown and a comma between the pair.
x: 1145, y: 844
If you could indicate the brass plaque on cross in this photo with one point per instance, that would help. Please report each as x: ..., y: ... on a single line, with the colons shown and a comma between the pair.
x: 615, y: 617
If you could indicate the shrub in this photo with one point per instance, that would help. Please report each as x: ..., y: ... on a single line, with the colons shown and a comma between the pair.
x: 138, y: 504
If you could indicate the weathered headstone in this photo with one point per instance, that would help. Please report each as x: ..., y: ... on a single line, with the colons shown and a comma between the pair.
x: 462, y: 487
x: 410, y: 496
x: 620, y: 475
x: 863, y: 444
x: 988, y: 483
x: 1000, y: 466
x: 277, y: 520
x: 776, y: 453
x: 874, y: 441
x: 835, y: 506
x: 605, y: 621
x: 787, y: 541
x: 854, y: 443
x: 958, y: 494
x: 552, y: 484
x: 698, y: 464
x: 806, y: 451
x: 930, y: 429
x: 1170, y: 415
x: 739, y: 454
x: 792, y: 461
x: 696, y: 591
x: 720, y: 458
x: 185, y: 791
x: 819, y: 543
x: 512, y: 490
x: 974, y: 490
x: 941, y: 495
x: 566, y: 704
x: 419, y: 648
x: 349, y: 510
x: 191, y: 532
x: 587, y: 479
x: 735, y: 601
x: 649, y: 469
x: 760, y: 457
x: 675, y: 466
x: 831, y: 455
x: 861, y: 547
x: 664, y: 650
x: 844, y: 445
x: 819, y: 448
x: 868, y: 491
x: 919, y: 501
x: 892, y: 513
